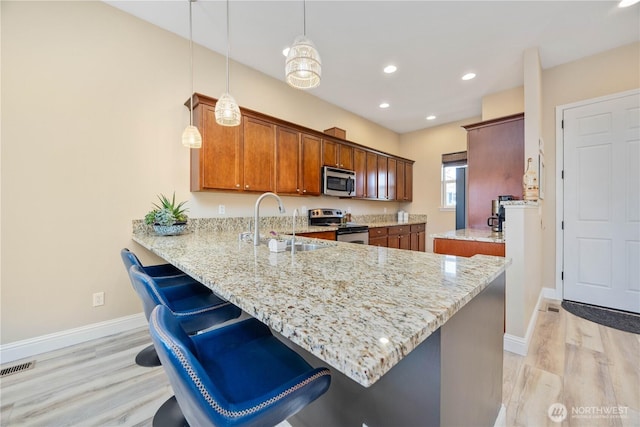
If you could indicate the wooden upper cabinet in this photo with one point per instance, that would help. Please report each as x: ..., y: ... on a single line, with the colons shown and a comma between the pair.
x: 337, y: 155
x: 287, y: 160
x: 400, y: 168
x: 408, y: 182
x: 360, y: 168
x: 330, y: 153
x: 371, y: 187
x: 311, y: 163
x: 258, y: 154
x: 268, y: 154
x: 345, y: 156
x: 382, y: 178
x: 218, y: 164
x: 391, y: 178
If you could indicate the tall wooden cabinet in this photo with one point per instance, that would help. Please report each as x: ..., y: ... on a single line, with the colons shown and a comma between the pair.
x: 495, y: 164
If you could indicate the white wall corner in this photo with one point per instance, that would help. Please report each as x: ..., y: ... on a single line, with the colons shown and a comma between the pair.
x: 30, y: 347
x: 520, y: 345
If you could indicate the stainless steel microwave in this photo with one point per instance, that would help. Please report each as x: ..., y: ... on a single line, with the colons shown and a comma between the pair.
x: 338, y: 182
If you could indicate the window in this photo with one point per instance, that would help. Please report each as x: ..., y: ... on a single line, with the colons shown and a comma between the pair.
x: 450, y: 164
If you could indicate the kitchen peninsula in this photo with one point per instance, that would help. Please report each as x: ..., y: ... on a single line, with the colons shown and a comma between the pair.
x: 412, y: 338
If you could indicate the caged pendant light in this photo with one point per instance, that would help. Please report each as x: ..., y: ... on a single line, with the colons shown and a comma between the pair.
x: 227, y: 111
x: 303, y: 67
x: 191, y: 137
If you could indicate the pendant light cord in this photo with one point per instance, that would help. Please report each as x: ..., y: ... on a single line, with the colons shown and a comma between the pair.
x: 191, y: 61
x: 228, y: 48
x: 304, y: 18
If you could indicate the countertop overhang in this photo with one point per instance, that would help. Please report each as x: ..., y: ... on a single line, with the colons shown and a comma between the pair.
x: 359, y: 308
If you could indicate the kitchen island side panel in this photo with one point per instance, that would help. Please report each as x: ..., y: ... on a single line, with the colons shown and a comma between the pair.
x: 454, y: 378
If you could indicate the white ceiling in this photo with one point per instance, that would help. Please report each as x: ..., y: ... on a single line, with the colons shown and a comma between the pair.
x: 433, y: 43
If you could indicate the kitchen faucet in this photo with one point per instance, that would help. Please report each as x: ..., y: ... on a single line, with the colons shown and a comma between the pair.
x: 256, y: 217
x: 293, y: 231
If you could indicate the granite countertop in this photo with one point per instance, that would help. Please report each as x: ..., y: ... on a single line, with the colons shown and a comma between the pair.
x: 358, y: 308
x: 472, y: 234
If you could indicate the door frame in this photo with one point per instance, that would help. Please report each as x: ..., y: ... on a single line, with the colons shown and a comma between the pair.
x: 560, y: 182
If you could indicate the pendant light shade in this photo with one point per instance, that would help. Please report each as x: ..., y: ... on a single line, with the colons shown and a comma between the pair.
x: 191, y: 137
x: 227, y: 111
x: 303, y: 68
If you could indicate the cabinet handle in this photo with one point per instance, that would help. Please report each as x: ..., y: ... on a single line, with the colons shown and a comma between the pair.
x: 237, y: 185
x: 246, y: 186
x: 304, y: 191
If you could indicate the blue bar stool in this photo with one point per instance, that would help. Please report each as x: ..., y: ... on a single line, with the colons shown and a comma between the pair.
x: 235, y: 375
x: 165, y: 275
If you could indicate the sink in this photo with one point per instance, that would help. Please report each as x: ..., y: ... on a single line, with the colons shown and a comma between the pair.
x: 305, y: 247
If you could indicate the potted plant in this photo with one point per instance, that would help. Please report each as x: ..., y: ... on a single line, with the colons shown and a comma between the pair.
x: 167, y: 218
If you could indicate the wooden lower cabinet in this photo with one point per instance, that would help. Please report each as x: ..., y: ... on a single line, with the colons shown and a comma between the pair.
x: 409, y: 237
x: 325, y: 235
x: 467, y: 248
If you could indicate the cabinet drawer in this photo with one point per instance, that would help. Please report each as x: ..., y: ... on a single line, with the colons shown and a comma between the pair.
x: 377, y: 232
x: 418, y: 227
x: 399, y: 229
x: 326, y: 235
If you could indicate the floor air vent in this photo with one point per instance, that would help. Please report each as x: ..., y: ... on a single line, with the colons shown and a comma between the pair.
x: 553, y: 308
x: 18, y: 368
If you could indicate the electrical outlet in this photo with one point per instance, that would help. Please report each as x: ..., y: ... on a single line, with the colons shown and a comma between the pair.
x: 385, y: 210
x: 98, y: 299
x: 221, y: 209
x: 348, y: 209
x: 304, y: 210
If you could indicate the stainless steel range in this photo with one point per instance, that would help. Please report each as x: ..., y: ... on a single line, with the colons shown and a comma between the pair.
x: 347, y: 232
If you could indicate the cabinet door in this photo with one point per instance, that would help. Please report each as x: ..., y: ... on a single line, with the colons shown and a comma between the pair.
x: 346, y: 156
x: 258, y: 155
x: 404, y: 241
x: 391, y: 179
x: 287, y: 161
x: 378, y: 241
x: 408, y: 182
x: 371, y: 189
x: 382, y: 177
x: 311, y: 164
x: 360, y: 167
x: 220, y: 158
x: 330, y: 153
x: 400, y: 180
x: 422, y: 241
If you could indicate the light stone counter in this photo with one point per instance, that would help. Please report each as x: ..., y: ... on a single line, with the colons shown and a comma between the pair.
x: 472, y: 234
x: 360, y: 309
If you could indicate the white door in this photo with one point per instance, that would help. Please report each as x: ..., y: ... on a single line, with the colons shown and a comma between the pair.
x: 602, y: 203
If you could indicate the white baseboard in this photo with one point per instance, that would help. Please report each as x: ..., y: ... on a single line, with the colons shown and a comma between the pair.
x: 551, y: 293
x: 520, y: 345
x: 501, y: 419
x: 42, y: 344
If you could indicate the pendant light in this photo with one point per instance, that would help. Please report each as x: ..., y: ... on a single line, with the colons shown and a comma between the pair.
x: 227, y: 111
x: 191, y: 137
x: 303, y: 66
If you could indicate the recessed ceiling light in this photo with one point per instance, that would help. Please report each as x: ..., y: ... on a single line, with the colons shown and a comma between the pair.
x: 285, y: 51
x: 627, y: 3
x: 384, y: 105
x: 390, y: 69
x: 468, y: 76
x: 431, y: 117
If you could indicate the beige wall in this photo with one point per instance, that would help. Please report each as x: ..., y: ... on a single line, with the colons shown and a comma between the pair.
x: 504, y: 103
x: 613, y: 71
x: 426, y: 148
x: 91, y: 130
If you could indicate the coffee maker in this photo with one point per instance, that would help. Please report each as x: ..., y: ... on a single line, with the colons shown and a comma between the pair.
x: 497, y: 213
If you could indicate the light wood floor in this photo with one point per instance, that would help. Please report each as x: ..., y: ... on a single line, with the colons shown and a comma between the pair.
x: 571, y: 361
